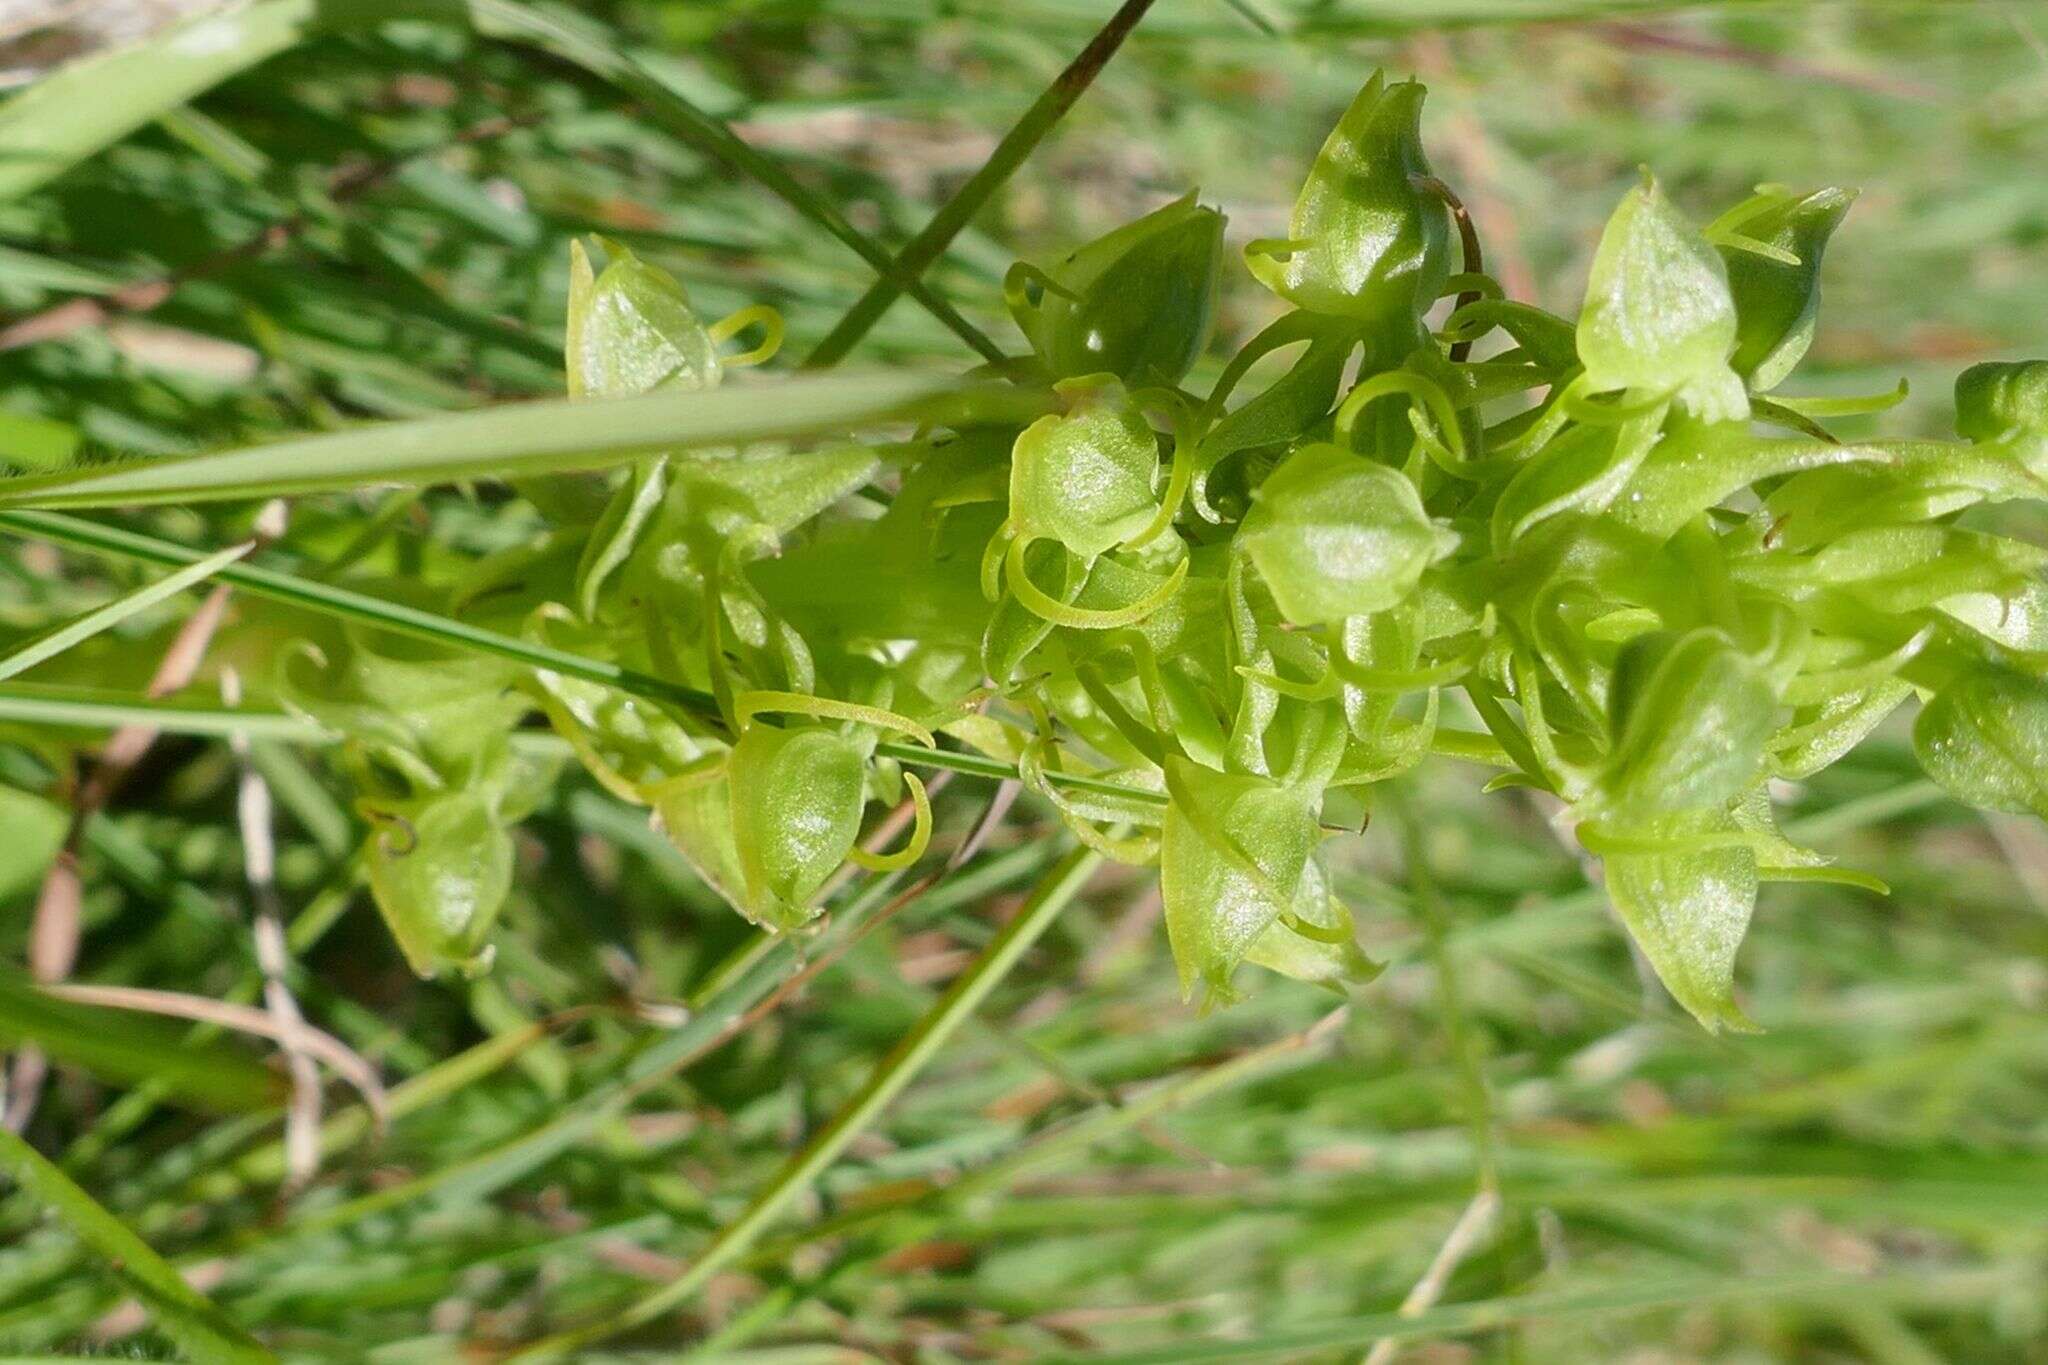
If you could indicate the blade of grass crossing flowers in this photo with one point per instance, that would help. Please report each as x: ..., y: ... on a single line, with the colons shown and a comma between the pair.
x: 895, y: 1071
x: 354, y: 606
x: 1011, y: 153
x: 520, y: 440
x: 182, y: 1312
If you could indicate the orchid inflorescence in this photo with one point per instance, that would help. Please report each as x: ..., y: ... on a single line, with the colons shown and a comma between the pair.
x: 1188, y: 620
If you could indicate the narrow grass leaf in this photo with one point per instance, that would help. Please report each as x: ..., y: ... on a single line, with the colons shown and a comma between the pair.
x: 516, y: 441
x: 1491, y: 1314
x: 1009, y: 154
x: 185, y: 1315
x: 81, y: 628
x: 73, y: 113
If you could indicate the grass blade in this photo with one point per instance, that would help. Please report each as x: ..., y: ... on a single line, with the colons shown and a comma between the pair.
x: 80, y: 628
x: 185, y: 1315
x: 890, y: 1076
x: 73, y: 113
x: 353, y: 606
x: 88, y: 709
x: 520, y: 440
x: 1015, y: 148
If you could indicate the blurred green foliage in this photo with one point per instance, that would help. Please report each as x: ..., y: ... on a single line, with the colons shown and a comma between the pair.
x: 374, y: 223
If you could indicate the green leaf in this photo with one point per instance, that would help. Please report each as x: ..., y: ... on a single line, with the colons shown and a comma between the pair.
x: 1688, y: 912
x: 57, y: 639
x: 522, y: 439
x: 1335, y: 534
x: 1984, y: 738
x: 1658, y: 318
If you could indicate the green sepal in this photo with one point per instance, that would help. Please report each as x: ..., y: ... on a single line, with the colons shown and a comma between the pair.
x: 1335, y: 535
x: 1688, y: 910
x: 1984, y: 738
x: 1998, y: 399
x: 1138, y: 303
x: 1367, y: 239
x: 1086, y: 477
x: 1658, y: 318
x: 1316, y: 940
x: 1776, y: 301
x: 440, y: 871
x: 1688, y: 718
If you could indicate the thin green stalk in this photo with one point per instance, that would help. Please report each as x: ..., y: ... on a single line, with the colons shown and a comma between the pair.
x: 64, y: 708
x: 1016, y: 146
x: 355, y: 606
x: 86, y: 708
x: 79, y: 629
x: 891, y: 1075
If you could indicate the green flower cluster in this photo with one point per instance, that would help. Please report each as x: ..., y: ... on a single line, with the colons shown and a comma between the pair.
x: 1188, y: 619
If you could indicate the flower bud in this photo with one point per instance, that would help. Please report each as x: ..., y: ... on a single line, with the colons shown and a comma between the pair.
x: 1658, y: 319
x: 1998, y: 398
x: 796, y: 798
x: 631, y: 330
x: 1138, y: 303
x: 1335, y: 534
x: 1776, y: 302
x: 440, y: 875
x: 1367, y: 240
x: 1086, y: 478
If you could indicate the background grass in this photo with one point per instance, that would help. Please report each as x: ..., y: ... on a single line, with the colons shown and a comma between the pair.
x: 374, y: 223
